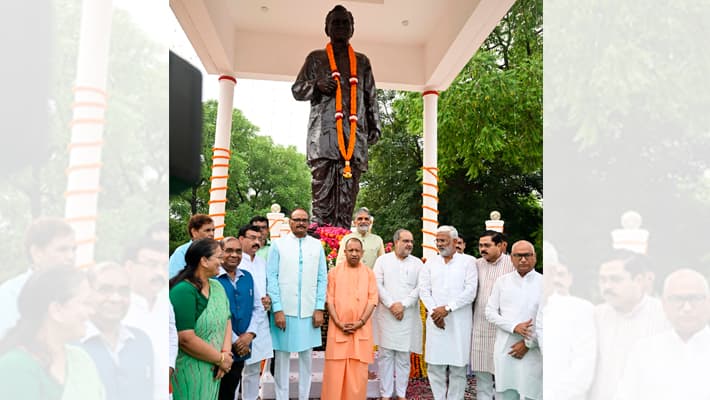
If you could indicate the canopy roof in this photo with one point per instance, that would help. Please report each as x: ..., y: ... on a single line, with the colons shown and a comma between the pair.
x: 413, y: 45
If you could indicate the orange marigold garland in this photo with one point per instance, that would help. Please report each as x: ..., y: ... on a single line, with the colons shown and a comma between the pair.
x: 347, y: 154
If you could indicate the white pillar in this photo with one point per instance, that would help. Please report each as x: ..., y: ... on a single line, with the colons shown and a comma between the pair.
x: 430, y: 173
x: 221, y: 154
x: 87, y: 127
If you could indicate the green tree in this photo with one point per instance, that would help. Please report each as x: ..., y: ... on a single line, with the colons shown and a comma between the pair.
x: 626, y: 117
x: 260, y: 173
x: 489, y: 136
x: 134, y: 151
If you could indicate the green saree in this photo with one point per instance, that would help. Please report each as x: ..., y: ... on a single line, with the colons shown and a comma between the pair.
x: 23, y: 377
x: 193, y: 378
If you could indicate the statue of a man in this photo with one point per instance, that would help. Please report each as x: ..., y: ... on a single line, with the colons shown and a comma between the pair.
x: 344, y: 119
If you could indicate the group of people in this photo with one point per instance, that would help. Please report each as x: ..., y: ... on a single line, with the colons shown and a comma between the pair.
x: 94, y: 333
x: 100, y: 332
x: 235, y: 309
x: 634, y: 344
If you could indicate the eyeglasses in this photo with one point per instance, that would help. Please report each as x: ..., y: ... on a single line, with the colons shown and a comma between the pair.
x: 680, y: 300
x: 300, y: 220
x: 233, y: 251
x: 520, y: 256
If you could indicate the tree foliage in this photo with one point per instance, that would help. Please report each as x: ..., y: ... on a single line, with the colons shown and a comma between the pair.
x: 260, y: 174
x: 489, y: 137
x: 626, y: 118
x: 134, y: 151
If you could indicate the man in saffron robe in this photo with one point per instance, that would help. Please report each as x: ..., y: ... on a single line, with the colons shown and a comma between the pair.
x: 334, y: 195
x: 351, y: 299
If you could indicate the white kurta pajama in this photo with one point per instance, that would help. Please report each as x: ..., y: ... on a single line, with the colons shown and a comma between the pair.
x: 261, y: 348
x: 617, y: 333
x: 569, y: 348
x: 516, y: 299
x: 666, y: 367
x: 453, y: 284
x: 397, y: 281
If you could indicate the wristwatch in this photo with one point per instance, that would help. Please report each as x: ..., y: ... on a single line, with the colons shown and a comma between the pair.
x: 448, y: 309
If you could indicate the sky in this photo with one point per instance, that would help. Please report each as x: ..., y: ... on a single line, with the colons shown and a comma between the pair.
x: 267, y: 104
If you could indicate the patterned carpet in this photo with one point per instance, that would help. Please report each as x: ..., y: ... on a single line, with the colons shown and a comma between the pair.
x: 419, y: 389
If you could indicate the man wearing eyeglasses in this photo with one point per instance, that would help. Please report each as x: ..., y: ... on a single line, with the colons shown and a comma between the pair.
x: 261, y: 346
x: 297, y: 283
x: 676, y: 365
x: 627, y: 315
x: 493, y: 264
x: 512, y: 307
x: 123, y: 355
x: 247, y: 313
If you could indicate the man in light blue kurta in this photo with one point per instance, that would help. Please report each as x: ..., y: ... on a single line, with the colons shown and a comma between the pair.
x: 200, y: 226
x: 296, y: 283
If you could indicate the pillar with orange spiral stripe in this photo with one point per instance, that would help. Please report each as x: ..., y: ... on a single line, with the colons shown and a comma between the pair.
x: 430, y: 176
x: 87, y: 127
x: 221, y: 155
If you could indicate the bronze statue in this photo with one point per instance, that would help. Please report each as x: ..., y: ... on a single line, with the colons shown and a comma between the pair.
x: 344, y: 119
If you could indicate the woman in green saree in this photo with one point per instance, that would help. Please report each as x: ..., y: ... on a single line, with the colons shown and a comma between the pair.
x: 202, y: 319
x: 36, y: 363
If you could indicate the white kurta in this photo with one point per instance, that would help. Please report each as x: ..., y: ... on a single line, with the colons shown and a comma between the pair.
x: 516, y: 299
x: 153, y: 320
x: 484, y: 332
x: 569, y: 347
x: 261, y: 347
x: 453, y: 284
x: 617, y: 333
x: 397, y: 281
x: 664, y: 367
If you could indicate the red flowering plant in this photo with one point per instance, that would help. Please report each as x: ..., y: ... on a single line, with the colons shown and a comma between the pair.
x: 330, y: 237
x: 388, y: 247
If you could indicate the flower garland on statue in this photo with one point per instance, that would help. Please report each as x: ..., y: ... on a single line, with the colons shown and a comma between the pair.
x: 347, y: 154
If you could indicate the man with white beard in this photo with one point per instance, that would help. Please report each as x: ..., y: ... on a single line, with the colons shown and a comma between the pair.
x: 512, y: 307
x: 447, y: 287
x: 398, y: 327
x: 373, y: 245
x: 673, y: 364
x: 570, y: 332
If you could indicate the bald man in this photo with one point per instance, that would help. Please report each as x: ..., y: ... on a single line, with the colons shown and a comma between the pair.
x: 673, y: 364
x: 512, y: 308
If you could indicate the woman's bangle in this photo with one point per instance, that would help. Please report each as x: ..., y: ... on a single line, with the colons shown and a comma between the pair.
x: 221, y: 359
